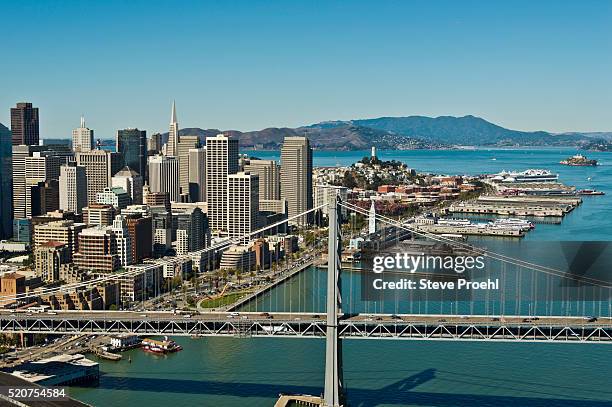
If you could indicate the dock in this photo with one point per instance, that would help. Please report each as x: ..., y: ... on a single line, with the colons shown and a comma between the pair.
x: 540, y: 207
x: 470, y: 230
x: 277, y: 281
x: 105, y: 355
x: 301, y: 400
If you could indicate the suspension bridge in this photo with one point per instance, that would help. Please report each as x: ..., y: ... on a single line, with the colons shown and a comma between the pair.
x: 529, y: 310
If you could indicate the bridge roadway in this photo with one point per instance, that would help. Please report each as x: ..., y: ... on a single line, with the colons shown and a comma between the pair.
x: 309, y: 325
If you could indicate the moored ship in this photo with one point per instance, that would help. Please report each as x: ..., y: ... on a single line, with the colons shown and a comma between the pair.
x: 527, y: 176
x: 160, y: 347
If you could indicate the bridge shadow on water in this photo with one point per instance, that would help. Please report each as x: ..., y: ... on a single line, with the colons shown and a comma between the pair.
x: 400, y: 393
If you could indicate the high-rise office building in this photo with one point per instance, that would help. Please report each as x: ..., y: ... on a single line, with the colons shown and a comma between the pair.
x: 73, y: 188
x: 64, y: 231
x: 164, y: 176
x: 123, y: 239
x: 82, y: 138
x: 20, y: 153
x: 221, y: 161
x: 6, y: 183
x: 140, y: 228
x: 98, y: 169
x: 158, y: 199
x: 190, y: 227
x: 24, y: 124
x: 99, y: 214
x: 43, y: 197
x: 162, y: 229
x: 296, y: 177
x: 97, y: 250
x: 48, y: 258
x: 171, y: 147
x: 242, y: 204
x: 154, y: 144
x: 269, y: 177
x: 324, y: 194
x: 185, y: 144
x: 41, y: 193
x: 197, y: 174
x: 132, y: 145
x: 131, y: 181
x: 115, y: 196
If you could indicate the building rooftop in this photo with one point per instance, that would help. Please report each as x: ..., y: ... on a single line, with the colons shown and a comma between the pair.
x: 126, y: 172
x: 59, y: 365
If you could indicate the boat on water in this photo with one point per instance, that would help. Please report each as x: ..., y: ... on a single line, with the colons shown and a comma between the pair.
x: 160, y: 347
x: 527, y: 176
x: 589, y: 192
x: 579, y: 160
x: 513, y: 223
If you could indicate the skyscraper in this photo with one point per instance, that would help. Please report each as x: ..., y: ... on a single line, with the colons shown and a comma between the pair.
x: 82, y: 138
x: 221, y: 161
x: 164, y: 176
x: 269, y: 177
x: 98, y: 169
x: 6, y: 182
x: 154, y: 144
x: 186, y: 143
x: 242, y: 204
x: 20, y: 153
x: 123, y: 239
x: 296, y: 177
x: 173, y: 135
x: 197, y: 174
x: 64, y: 231
x: 73, y: 188
x: 140, y: 229
x: 97, y: 250
x: 190, y: 227
x: 24, y: 124
x: 33, y: 165
x: 132, y: 145
x: 131, y: 181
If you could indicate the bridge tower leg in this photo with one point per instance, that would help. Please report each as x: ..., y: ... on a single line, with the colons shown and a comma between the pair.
x: 333, y: 350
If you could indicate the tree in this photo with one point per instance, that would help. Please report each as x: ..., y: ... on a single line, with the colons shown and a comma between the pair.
x: 349, y: 180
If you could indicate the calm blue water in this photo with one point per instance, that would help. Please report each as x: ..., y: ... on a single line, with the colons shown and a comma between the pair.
x: 251, y: 372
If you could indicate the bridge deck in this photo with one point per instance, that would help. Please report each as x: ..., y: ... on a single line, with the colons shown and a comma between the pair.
x: 308, y: 325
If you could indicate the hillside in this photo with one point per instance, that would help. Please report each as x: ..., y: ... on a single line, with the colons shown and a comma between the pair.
x: 412, y: 132
x: 340, y: 138
x: 466, y: 130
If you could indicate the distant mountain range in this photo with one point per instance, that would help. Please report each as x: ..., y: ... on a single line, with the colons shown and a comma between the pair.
x: 412, y: 132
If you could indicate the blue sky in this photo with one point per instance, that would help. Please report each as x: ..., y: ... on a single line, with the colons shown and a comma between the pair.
x: 247, y: 65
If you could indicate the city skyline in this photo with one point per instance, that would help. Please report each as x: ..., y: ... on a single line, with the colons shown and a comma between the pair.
x: 294, y: 64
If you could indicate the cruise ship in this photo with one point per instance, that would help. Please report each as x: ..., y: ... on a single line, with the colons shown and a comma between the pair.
x: 531, y: 175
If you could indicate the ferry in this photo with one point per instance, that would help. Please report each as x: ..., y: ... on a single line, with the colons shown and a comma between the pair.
x: 579, y: 160
x: 160, y: 347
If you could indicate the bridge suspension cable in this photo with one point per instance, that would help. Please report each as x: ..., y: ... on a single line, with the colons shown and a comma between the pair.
x: 114, y: 276
x: 495, y: 256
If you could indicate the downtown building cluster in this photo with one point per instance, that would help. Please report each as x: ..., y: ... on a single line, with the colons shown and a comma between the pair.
x: 145, y: 211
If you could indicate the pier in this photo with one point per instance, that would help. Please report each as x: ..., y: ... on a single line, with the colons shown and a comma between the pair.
x: 471, y: 230
x: 518, y: 206
x: 289, y: 401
